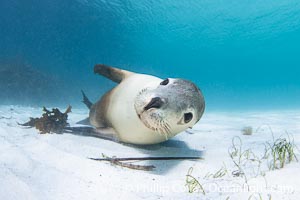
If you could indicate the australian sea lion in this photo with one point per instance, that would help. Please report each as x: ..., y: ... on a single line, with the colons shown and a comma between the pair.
x: 144, y: 109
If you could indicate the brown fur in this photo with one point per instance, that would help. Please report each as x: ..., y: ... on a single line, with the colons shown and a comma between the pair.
x: 99, y: 111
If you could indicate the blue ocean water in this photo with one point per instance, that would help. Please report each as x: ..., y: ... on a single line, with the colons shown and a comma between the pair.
x: 242, y: 54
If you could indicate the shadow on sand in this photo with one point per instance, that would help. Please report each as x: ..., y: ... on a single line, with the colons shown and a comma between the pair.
x: 170, y: 148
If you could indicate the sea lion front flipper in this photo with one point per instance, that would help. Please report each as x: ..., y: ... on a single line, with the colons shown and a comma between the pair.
x: 114, y: 74
x: 102, y: 133
x: 85, y: 121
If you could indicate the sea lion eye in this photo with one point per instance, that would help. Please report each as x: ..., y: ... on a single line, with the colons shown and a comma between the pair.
x: 188, y: 117
x: 165, y: 82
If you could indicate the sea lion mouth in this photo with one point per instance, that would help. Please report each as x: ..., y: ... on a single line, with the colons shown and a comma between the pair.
x: 155, y: 102
x: 156, y: 123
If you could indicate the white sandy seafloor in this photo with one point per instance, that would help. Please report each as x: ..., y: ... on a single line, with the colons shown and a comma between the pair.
x: 52, y: 166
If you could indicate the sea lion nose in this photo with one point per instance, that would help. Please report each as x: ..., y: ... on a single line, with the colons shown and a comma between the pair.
x: 155, y: 102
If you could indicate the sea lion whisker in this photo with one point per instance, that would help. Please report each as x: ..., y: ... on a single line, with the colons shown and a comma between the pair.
x: 168, y: 128
x: 167, y: 124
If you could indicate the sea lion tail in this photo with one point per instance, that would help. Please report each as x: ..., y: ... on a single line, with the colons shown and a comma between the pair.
x: 86, y: 101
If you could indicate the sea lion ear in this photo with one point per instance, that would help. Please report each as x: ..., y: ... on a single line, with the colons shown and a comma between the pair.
x: 114, y: 74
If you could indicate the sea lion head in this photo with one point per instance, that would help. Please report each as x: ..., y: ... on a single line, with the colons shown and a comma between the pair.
x: 170, y: 106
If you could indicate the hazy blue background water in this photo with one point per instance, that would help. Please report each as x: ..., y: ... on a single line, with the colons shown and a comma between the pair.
x: 242, y: 54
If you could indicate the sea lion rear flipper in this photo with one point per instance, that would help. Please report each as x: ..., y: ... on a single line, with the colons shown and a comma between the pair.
x: 114, y: 74
x: 86, y: 101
